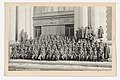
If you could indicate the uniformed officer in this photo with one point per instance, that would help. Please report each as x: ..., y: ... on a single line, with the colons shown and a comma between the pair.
x: 90, y: 53
x: 21, y: 36
x: 100, y: 32
x: 86, y: 33
x: 80, y: 54
x: 106, y: 52
x: 56, y: 55
x: 101, y: 44
x: 78, y: 33
x: 81, y: 30
x: 52, y: 53
x: 94, y: 54
x: 100, y: 55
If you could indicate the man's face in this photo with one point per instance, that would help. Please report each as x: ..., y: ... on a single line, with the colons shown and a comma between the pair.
x: 105, y: 44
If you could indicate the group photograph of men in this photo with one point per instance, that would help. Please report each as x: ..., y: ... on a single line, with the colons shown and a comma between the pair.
x: 83, y: 47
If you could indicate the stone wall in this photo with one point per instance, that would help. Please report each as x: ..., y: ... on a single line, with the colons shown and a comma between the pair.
x: 53, y: 23
x: 79, y: 17
x: 109, y: 23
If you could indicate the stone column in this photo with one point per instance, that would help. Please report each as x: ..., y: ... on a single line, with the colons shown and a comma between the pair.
x: 95, y: 16
x: 89, y: 15
x: 80, y: 17
x: 109, y: 23
x: 25, y: 20
x: 29, y: 21
x: 76, y: 19
x: 12, y: 23
x: 21, y: 19
x: 98, y: 18
x: 84, y: 16
x: 102, y: 21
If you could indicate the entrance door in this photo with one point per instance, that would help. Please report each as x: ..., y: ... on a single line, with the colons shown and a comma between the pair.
x: 69, y: 30
x: 37, y: 31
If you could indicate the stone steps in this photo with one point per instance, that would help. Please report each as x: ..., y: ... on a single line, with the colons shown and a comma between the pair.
x: 22, y: 65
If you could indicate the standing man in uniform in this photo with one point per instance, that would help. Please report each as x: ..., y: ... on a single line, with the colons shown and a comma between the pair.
x: 82, y: 33
x: 100, y: 32
x: 78, y: 33
x: 101, y: 50
x: 106, y: 52
x: 86, y: 33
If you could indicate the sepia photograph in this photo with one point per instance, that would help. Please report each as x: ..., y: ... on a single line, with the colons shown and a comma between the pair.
x: 65, y: 37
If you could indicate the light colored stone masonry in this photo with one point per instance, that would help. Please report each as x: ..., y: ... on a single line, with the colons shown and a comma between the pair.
x: 79, y: 17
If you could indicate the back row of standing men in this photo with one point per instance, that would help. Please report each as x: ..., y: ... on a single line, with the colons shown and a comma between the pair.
x: 88, y: 33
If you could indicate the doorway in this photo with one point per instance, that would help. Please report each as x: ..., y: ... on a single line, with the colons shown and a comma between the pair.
x: 37, y: 31
x: 69, y: 30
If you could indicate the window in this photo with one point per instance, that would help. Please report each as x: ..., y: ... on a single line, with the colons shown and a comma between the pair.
x: 37, y: 10
x: 43, y: 9
x: 55, y: 8
x: 66, y: 31
x: 46, y: 9
x: 37, y: 31
x: 61, y: 8
x: 67, y: 8
x: 71, y: 8
x: 49, y: 9
x: 69, y: 30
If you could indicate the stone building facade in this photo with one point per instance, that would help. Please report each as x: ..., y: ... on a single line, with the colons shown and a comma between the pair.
x: 60, y: 20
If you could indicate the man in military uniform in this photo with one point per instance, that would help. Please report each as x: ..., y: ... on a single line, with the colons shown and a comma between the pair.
x: 100, y: 32
x: 64, y: 56
x: 86, y: 33
x: 101, y: 44
x: 13, y: 52
x: 85, y: 49
x: 106, y: 52
x: 90, y: 32
x: 42, y: 54
x: 57, y: 55
x: 52, y: 54
x: 78, y: 33
x: 90, y: 53
x: 61, y: 53
x: 100, y: 55
x: 21, y: 38
x: 80, y: 54
x: 81, y: 32
x: 94, y: 54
